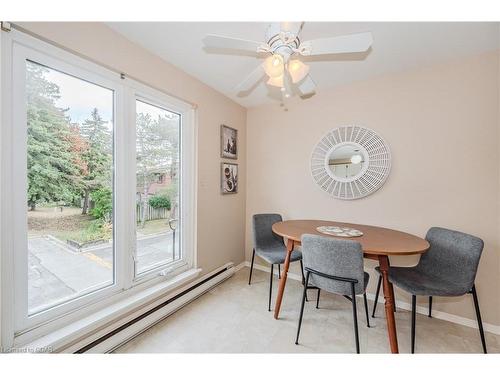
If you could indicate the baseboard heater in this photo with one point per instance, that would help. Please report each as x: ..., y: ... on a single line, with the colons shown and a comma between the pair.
x: 139, y: 324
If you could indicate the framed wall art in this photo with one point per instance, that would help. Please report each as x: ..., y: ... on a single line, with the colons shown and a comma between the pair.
x: 228, y: 142
x: 229, y: 178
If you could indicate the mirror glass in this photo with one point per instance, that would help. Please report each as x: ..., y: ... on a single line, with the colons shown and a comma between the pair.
x: 350, y: 162
x: 346, y: 161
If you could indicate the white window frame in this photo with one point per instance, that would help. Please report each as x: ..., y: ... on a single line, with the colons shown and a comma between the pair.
x: 20, y: 54
x: 139, y: 91
x: 16, y: 325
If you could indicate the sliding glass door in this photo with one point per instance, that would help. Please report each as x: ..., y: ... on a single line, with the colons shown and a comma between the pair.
x: 97, y: 186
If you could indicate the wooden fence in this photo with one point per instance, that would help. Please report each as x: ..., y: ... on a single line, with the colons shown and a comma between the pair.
x: 151, y: 213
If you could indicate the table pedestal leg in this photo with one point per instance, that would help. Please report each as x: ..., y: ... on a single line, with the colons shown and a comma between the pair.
x: 281, y: 289
x: 389, y: 303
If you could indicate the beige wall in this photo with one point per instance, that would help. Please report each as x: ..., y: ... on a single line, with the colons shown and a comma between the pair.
x: 441, y: 123
x: 221, y: 219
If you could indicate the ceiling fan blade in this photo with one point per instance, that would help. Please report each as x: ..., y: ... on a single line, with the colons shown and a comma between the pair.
x: 307, y: 87
x: 253, y: 78
x: 339, y: 44
x: 224, y: 42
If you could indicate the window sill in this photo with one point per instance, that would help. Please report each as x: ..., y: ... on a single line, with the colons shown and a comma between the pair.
x: 105, y: 320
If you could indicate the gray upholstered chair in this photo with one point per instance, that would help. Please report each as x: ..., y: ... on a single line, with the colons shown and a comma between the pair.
x: 447, y: 269
x: 335, y: 266
x: 269, y: 246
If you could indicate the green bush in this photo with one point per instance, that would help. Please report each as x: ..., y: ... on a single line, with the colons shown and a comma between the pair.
x: 160, y: 201
x: 103, y: 204
x: 97, y: 229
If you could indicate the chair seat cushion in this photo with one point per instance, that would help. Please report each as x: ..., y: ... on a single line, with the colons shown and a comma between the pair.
x: 416, y: 282
x: 277, y: 254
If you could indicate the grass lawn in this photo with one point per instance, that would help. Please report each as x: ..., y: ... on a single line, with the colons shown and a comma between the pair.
x: 66, y: 224
x: 71, y: 224
x: 154, y: 226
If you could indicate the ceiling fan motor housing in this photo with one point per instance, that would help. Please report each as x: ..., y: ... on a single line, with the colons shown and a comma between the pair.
x: 282, y: 41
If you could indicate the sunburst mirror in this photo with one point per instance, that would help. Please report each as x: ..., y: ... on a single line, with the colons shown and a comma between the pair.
x: 351, y: 162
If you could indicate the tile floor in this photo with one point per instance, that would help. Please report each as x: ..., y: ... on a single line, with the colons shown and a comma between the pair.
x: 233, y: 318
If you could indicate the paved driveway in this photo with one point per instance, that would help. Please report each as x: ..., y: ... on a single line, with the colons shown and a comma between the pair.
x: 58, y: 273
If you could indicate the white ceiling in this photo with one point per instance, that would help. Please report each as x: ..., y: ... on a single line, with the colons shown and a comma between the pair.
x: 396, y: 47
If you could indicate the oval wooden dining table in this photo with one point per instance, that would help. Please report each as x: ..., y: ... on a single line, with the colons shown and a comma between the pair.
x: 377, y: 243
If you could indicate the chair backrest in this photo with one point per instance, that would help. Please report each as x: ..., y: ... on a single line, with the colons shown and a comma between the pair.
x: 453, y: 256
x: 333, y: 257
x: 263, y: 235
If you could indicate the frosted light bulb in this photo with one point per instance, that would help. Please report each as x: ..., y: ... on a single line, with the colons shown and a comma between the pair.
x: 276, y: 81
x: 273, y: 66
x: 298, y: 70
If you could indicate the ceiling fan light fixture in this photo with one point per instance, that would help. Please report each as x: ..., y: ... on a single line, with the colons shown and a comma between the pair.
x: 276, y: 81
x: 274, y: 66
x: 284, y: 48
x: 298, y: 70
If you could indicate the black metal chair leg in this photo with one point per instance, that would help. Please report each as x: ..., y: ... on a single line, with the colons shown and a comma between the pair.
x: 479, y: 320
x: 317, y: 298
x: 376, y: 296
x: 303, y: 279
x: 270, y: 287
x: 413, y: 316
x: 251, y: 268
x: 355, y: 316
x: 279, y: 271
x: 366, y: 310
x: 302, y: 309
x: 394, y: 296
x: 430, y: 307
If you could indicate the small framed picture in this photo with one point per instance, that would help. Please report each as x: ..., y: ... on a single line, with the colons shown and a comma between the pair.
x: 229, y: 178
x: 228, y: 142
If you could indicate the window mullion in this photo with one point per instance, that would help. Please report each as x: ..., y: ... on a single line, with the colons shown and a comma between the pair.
x: 128, y: 164
x: 19, y: 182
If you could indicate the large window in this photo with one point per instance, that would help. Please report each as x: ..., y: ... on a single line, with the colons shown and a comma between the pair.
x: 97, y: 185
x: 69, y: 186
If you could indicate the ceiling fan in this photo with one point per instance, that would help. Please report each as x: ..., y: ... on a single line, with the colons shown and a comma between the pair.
x: 283, y: 48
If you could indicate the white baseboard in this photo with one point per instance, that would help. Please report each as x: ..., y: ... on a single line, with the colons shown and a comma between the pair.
x: 440, y: 315
x: 267, y: 269
x: 240, y: 266
x: 401, y: 305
